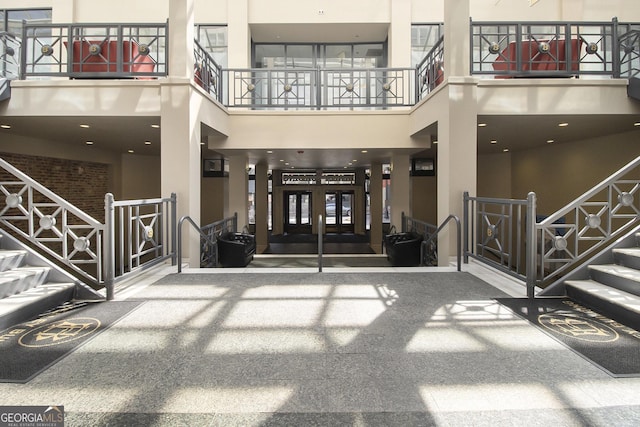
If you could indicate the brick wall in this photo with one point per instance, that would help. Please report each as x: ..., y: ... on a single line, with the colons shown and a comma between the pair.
x: 81, y: 183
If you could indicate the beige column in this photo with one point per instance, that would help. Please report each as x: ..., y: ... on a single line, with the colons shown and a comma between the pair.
x: 262, y: 207
x: 456, y: 38
x: 238, y: 35
x: 239, y: 188
x: 375, y: 195
x: 400, y: 188
x: 400, y: 34
x: 457, y: 129
x: 180, y: 132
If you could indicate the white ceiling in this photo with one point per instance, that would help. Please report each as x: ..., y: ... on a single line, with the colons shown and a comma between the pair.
x: 120, y: 134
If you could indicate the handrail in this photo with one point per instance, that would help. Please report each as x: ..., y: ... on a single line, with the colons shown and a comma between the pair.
x: 458, y: 237
x: 602, y: 213
x: 320, y: 236
x: 198, y: 229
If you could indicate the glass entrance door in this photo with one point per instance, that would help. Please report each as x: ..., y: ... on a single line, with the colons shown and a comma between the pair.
x: 338, y: 208
x: 297, y: 212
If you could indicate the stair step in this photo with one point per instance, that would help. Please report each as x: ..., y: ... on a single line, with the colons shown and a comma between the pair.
x: 10, y: 259
x: 32, y: 302
x: 628, y: 257
x: 617, y: 276
x: 20, y: 279
x: 616, y: 304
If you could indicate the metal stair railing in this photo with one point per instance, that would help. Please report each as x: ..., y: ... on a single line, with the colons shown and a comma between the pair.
x: 432, y: 239
x: 136, y: 234
x: 601, y: 214
x: 208, y: 238
x: 429, y: 245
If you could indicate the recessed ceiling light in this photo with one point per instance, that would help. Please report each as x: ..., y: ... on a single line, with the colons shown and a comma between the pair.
x: 269, y: 152
x: 482, y: 125
x: 504, y: 150
x: 147, y: 143
x: 84, y: 126
x: 563, y: 124
x: 493, y: 141
x: 550, y: 141
x: 287, y: 164
x: 435, y: 142
x: 363, y: 151
x: 89, y: 142
x: 155, y: 126
x: 282, y: 160
x: 130, y: 151
x: 5, y: 126
x: 636, y: 124
x: 354, y: 160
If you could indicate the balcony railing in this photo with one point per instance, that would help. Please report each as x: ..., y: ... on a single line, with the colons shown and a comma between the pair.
x: 319, y: 88
x: 94, y: 51
x: 555, y: 49
x: 498, y: 50
x: 9, y: 55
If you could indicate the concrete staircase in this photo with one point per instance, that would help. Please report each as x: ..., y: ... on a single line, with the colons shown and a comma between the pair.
x: 30, y: 284
x: 612, y: 289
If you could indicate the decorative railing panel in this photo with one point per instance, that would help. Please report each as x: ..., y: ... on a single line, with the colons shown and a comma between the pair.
x: 10, y: 47
x: 319, y: 88
x: 136, y: 234
x: 49, y: 222
x: 207, y: 72
x: 94, y: 51
x: 144, y: 230
x: 629, y: 46
x: 495, y: 232
x: 431, y: 70
x: 208, y: 250
x: 547, y: 49
x: 588, y: 223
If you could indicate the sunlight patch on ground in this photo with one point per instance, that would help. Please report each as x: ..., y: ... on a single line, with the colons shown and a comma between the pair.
x: 266, y: 341
x: 228, y: 399
x: 489, y: 397
x: 443, y: 341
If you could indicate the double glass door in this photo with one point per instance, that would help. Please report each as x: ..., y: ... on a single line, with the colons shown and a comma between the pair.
x: 338, y: 208
x: 297, y: 212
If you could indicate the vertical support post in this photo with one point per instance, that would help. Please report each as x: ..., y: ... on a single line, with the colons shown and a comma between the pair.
x: 614, y: 48
x: 109, y: 246
x: 320, y: 243
x: 174, y: 225
x: 235, y: 222
x: 465, y: 218
x: 403, y: 223
x: 530, y: 251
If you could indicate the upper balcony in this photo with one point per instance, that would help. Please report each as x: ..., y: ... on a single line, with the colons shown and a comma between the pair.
x: 499, y: 50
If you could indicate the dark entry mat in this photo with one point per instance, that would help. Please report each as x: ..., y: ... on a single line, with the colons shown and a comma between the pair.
x: 28, y: 348
x: 613, y: 347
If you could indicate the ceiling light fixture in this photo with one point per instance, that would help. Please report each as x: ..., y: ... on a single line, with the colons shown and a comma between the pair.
x: 85, y: 126
x: 636, y: 124
x: 147, y: 143
x: 550, y: 141
x: 155, y: 126
x: 89, y: 142
x: 5, y: 126
x: 363, y: 151
x: 482, y: 125
x: 130, y: 151
x: 493, y: 141
x: 504, y: 150
x: 563, y: 124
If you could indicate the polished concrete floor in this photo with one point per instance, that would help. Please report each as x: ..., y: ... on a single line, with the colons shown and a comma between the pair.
x: 345, y: 347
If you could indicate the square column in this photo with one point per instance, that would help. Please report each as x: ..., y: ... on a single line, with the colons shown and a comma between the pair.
x: 262, y: 207
x: 239, y: 189
x: 400, y: 188
x: 375, y: 199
